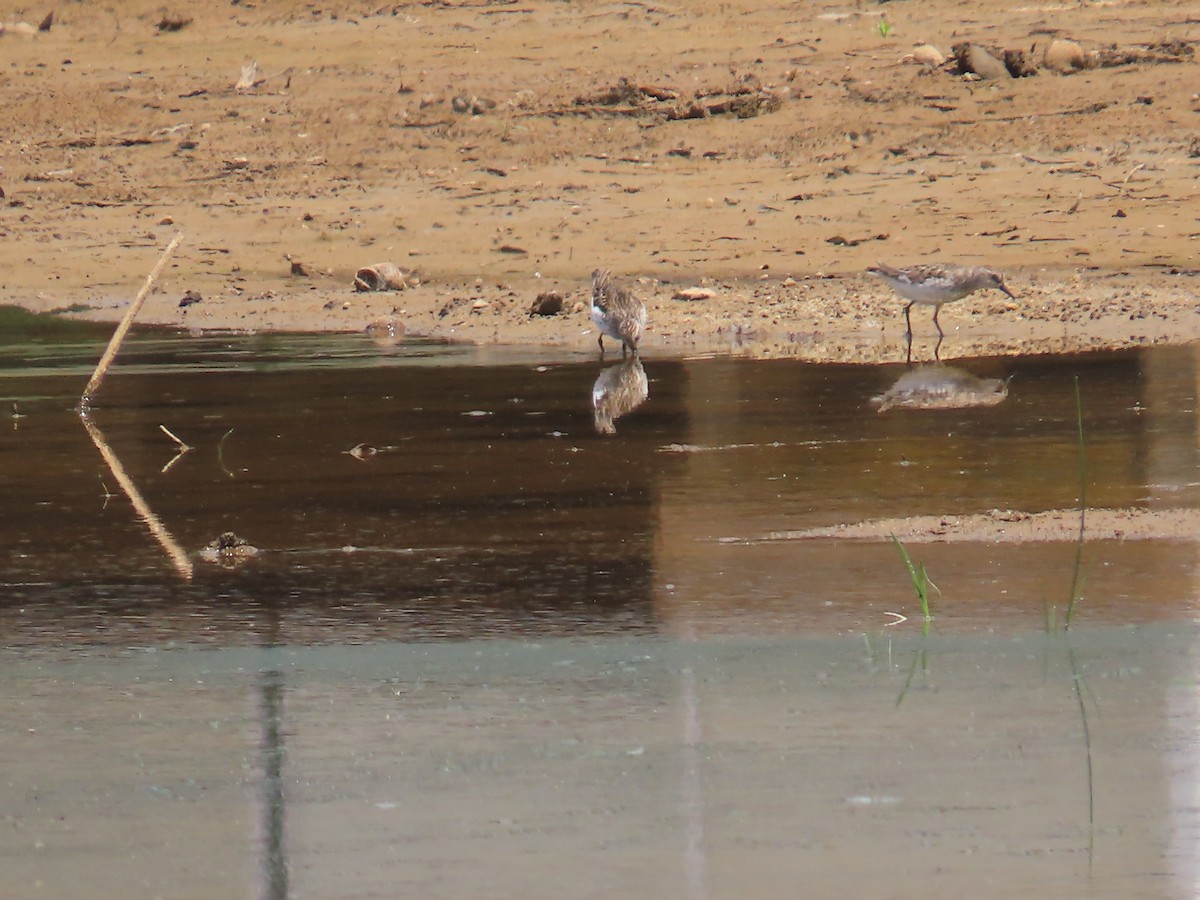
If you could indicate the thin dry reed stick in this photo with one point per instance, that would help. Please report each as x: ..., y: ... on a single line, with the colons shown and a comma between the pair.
x: 114, y: 344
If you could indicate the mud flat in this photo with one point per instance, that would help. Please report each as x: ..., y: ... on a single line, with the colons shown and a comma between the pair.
x: 498, y: 151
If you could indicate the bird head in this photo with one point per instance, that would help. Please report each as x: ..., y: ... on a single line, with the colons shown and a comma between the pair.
x: 994, y: 280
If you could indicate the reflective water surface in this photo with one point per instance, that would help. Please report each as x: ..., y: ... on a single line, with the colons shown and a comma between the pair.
x: 512, y: 629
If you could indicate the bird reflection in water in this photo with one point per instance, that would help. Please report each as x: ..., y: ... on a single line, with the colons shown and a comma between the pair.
x: 938, y: 386
x: 618, y: 389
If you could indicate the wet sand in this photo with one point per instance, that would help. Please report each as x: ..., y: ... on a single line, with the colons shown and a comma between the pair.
x: 1015, y: 526
x: 501, y: 150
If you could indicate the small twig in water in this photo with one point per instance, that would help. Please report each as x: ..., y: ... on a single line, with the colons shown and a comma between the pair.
x: 183, y: 446
x: 174, y: 459
x: 363, y: 452
x: 108, y: 495
x: 221, y: 454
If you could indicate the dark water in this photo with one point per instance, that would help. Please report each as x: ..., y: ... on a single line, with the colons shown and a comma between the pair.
x: 493, y: 506
x: 506, y: 655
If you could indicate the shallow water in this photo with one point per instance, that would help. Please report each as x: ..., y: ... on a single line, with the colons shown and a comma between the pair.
x: 507, y: 655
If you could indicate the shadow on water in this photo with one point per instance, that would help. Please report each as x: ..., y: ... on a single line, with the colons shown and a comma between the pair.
x: 493, y: 641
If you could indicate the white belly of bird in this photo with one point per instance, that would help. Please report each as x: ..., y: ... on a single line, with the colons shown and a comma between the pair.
x: 931, y: 292
x: 601, y: 320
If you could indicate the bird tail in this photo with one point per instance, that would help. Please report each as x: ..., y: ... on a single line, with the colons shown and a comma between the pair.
x: 882, y: 268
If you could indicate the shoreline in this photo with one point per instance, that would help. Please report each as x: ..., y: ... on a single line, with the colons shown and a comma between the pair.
x: 834, y: 319
x: 703, y: 146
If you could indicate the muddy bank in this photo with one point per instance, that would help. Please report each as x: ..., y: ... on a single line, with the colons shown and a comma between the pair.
x: 1015, y: 526
x: 848, y: 318
x: 501, y: 151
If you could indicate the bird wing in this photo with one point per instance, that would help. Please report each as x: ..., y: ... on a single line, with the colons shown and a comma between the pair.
x: 930, y: 272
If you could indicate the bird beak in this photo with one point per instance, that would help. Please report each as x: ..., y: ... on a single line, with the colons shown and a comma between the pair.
x: 1004, y: 287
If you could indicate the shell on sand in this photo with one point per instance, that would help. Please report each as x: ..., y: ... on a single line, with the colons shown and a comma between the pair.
x: 926, y: 55
x: 1019, y: 63
x: 548, y: 303
x: 1064, y: 56
x: 385, y: 276
x: 694, y: 293
x: 248, y: 79
x: 974, y: 58
x: 385, y: 331
x: 22, y: 28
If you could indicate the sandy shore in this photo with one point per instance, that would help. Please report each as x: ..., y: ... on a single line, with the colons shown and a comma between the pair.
x: 503, y: 149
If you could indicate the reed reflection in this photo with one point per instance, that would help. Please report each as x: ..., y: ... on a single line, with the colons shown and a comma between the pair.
x: 273, y: 753
x: 176, y: 553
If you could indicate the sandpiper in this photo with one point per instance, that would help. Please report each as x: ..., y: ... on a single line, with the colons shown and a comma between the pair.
x: 936, y: 285
x: 616, y: 312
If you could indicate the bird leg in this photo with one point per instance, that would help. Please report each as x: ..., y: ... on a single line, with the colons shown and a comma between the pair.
x: 908, y: 323
x: 600, y: 341
x: 937, y: 350
x: 937, y: 309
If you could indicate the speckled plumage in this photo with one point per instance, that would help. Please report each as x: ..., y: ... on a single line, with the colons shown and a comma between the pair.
x: 937, y: 284
x: 616, y: 312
